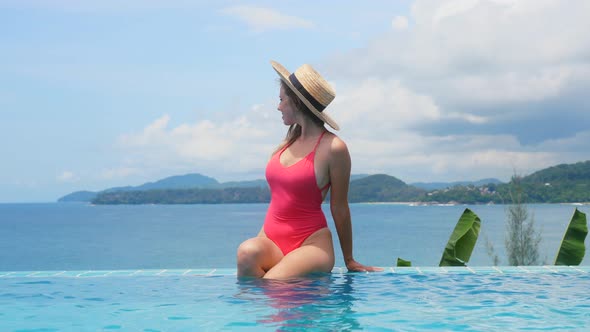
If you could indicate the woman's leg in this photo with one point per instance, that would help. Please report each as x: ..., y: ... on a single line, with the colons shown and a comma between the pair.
x: 316, y: 254
x: 256, y: 256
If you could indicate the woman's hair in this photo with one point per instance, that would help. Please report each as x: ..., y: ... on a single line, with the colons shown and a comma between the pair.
x: 295, y: 130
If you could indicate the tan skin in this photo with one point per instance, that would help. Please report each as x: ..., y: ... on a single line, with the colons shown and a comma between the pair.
x: 259, y: 256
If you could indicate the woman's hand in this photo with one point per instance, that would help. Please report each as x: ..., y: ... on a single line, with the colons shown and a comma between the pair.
x: 354, y: 266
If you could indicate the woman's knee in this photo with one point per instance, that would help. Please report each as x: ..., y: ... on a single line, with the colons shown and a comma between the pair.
x: 249, y: 250
x: 324, y: 259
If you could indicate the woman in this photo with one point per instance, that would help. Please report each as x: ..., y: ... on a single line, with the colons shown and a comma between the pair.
x: 295, y: 239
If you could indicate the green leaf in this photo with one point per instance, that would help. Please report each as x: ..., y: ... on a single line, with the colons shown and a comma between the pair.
x: 572, y: 247
x: 462, y: 240
x: 402, y: 262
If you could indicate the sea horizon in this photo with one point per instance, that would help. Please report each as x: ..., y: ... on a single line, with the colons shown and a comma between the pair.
x: 78, y: 236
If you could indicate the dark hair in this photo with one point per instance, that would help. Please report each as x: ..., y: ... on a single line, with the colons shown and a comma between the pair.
x: 295, y: 130
x: 300, y: 105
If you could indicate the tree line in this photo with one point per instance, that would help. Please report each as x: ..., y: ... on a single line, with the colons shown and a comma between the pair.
x: 558, y: 184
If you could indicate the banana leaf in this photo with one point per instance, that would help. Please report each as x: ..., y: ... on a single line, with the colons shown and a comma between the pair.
x: 572, y: 247
x: 462, y: 240
x: 403, y: 262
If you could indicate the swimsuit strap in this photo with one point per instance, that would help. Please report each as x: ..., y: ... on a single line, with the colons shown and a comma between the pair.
x: 314, y: 148
x: 318, y: 142
x: 325, y: 187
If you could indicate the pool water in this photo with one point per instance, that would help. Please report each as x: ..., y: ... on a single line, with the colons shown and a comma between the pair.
x: 406, y: 299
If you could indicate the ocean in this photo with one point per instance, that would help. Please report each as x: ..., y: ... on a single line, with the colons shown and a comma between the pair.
x: 79, y: 236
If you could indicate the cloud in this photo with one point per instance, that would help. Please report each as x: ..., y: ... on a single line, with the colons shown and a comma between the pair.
x: 414, y: 157
x: 67, y: 176
x: 240, y: 145
x: 470, y: 89
x: 483, y: 40
x: 379, y: 120
x: 575, y: 146
x: 452, y: 8
x: 386, y: 105
x: 478, y: 87
x: 263, y: 19
x: 375, y: 107
x: 121, y: 172
x: 399, y: 23
x: 468, y: 118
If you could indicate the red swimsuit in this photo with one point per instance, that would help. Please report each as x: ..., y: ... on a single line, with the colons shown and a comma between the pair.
x: 295, y: 210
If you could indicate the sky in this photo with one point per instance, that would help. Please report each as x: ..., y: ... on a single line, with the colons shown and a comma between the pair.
x: 97, y: 94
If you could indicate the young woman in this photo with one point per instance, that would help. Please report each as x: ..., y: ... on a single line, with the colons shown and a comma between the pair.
x: 295, y: 239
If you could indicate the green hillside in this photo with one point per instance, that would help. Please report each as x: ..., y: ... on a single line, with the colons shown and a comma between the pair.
x: 383, y: 188
x: 566, y: 183
x: 564, y: 173
x: 177, y: 182
x: 185, y: 196
x: 559, y: 184
x: 78, y: 196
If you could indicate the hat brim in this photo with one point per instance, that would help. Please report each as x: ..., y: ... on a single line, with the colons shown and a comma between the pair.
x: 284, y: 75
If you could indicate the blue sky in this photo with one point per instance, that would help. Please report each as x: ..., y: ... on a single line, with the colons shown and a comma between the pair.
x: 96, y: 94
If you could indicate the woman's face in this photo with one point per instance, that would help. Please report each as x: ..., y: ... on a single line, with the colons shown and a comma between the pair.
x: 287, y: 108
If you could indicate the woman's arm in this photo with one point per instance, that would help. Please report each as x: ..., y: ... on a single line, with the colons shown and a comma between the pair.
x: 339, y: 170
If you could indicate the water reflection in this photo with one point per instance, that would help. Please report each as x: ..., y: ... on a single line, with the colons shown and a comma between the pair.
x: 321, y: 302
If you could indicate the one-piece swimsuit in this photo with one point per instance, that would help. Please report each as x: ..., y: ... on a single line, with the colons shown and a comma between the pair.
x: 295, y: 210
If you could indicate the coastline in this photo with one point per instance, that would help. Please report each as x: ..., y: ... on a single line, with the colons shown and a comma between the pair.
x: 325, y: 202
x: 459, y: 203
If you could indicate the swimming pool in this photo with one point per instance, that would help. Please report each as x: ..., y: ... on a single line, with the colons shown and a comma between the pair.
x: 408, y: 299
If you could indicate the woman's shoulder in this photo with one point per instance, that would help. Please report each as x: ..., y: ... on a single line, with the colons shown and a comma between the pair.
x: 336, y: 145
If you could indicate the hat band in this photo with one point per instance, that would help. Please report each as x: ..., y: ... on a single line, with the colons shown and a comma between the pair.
x: 304, y: 92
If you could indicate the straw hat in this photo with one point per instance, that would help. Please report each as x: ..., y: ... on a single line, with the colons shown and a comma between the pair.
x: 311, y: 88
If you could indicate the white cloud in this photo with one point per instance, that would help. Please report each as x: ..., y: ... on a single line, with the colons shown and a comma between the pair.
x: 512, y: 86
x: 576, y: 146
x: 452, y: 8
x: 535, y: 48
x: 378, y: 119
x: 376, y: 107
x: 67, y: 176
x: 262, y: 19
x: 154, y: 133
x: 466, y: 117
x: 399, y: 23
x: 458, y: 58
x: 412, y: 157
x: 121, y: 172
x: 456, y: 94
x: 233, y: 146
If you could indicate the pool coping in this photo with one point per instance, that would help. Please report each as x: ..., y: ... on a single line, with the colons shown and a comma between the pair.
x: 547, y: 269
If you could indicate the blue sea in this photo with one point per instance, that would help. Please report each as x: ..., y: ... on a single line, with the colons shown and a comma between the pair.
x: 76, y: 236
x: 79, y: 267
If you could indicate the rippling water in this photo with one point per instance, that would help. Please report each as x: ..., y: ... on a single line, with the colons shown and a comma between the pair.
x: 378, y: 301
